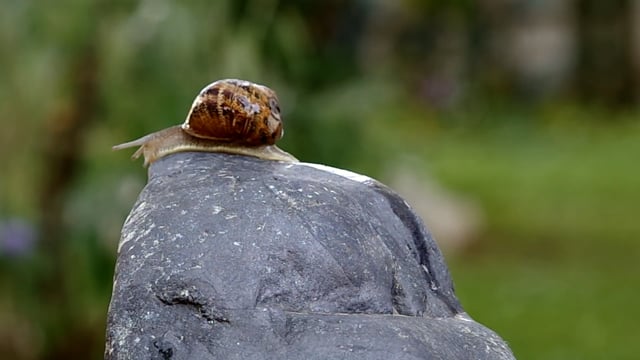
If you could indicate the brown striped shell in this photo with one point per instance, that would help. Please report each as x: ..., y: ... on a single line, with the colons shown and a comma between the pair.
x: 235, y: 111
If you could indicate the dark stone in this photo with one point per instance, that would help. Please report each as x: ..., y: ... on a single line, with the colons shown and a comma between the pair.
x: 232, y: 257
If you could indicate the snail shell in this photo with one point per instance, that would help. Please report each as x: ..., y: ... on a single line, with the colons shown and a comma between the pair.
x: 235, y: 111
x: 229, y: 116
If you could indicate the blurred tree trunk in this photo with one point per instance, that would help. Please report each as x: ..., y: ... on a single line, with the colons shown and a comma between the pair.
x: 424, y: 45
x: 63, y: 154
x: 67, y: 336
x: 635, y: 47
x: 531, y: 45
x: 605, y: 72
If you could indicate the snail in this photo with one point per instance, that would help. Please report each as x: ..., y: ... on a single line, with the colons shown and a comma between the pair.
x: 229, y: 116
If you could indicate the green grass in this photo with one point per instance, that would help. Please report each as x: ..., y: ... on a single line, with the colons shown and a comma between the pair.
x: 552, y: 309
x: 557, y: 192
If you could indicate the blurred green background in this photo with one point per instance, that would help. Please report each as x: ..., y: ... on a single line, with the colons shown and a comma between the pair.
x: 511, y: 126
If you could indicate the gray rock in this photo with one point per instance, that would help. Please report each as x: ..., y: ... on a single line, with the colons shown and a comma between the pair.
x: 232, y: 257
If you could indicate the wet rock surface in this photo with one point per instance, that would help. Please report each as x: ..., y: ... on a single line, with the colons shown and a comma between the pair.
x: 232, y: 257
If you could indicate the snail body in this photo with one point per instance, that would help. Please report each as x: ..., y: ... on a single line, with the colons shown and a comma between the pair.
x: 229, y: 116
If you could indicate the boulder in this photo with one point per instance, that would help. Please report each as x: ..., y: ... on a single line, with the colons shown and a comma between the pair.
x: 233, y: 257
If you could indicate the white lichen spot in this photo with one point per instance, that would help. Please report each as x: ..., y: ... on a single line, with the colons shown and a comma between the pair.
x: 340, y: 172
x: 216, y: 210
x: 426, y: 269
x: 464, y: 317
x: 134, y: 234
x: 236, y: 243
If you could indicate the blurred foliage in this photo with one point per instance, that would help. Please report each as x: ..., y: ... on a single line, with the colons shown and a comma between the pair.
x: 528, y: 107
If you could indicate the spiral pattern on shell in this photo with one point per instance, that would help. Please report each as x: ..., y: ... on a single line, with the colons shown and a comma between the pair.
x: 235, y: 111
